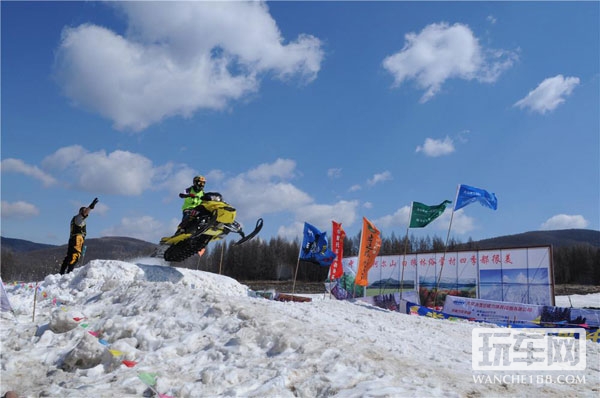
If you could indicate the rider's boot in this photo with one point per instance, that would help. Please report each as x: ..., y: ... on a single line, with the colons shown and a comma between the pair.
x: 180, y: 230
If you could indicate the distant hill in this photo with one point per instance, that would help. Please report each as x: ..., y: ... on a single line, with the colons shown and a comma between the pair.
x: 114, y: 247
x: 24, y: 260
x: 556, y: 238
x: 21, y: 258
x: 20, y: 245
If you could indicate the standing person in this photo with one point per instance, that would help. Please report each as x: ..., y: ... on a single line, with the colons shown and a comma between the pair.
x: 76, y: 238
x: 193, y: 198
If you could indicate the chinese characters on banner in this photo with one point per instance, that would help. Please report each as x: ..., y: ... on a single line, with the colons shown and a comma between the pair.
x: 519, y: 275
x: 370, y: 243
x: 337, y: 270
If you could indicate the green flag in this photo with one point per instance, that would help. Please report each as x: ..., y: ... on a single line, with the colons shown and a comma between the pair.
x: 421, y: 214
x: 148, y: 378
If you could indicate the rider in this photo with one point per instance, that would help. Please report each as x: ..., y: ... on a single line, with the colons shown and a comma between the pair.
x: 193, y: 197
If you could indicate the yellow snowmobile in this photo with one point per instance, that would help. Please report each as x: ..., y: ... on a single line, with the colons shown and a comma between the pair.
x: 212, y: 220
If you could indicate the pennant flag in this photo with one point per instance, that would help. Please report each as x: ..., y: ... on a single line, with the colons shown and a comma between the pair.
x: 467, y: 195
x: 421, y: 215
x: 149, y: 379
x: 370, y: 243
x: 314, y: 247
x: 129, y: 364
x: 337, y: 270
x: 116, y: 353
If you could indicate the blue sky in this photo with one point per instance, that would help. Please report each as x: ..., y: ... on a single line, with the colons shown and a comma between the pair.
x: 299, y: 111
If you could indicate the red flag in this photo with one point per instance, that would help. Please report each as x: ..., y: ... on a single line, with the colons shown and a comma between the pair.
x: 337, y: 242
x: 129, y: 364
x: 370, y: 243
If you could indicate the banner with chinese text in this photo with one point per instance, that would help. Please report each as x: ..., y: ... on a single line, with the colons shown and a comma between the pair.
x: 521, y: 275
x: 370, y: 243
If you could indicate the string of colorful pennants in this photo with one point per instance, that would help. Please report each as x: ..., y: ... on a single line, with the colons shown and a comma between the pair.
x: 149, y: 379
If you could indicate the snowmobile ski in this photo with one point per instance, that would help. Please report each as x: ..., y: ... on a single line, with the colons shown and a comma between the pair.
x: 259, y: 225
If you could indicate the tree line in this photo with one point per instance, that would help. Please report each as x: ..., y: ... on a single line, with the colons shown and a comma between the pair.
x: 277, y: 258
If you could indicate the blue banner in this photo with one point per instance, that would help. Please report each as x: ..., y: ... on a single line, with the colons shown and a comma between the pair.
x: 467, y: 195
x: 314, y: 247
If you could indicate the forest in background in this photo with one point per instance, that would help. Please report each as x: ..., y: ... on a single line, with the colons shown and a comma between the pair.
x: 576, y: 255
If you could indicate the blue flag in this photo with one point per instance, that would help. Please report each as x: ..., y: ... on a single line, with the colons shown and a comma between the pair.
x: 467, y: 195
x: 314, y: 247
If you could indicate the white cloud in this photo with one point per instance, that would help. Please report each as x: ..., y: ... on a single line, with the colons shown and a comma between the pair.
x: 342, y: 211
x: 265, y: 189
x: 18, y: 166
x: 292, y: 231
x: 320, y: 215
x: 334, y: 173
x: 440, y: 52
x: 178, y: 57
x: 215, y: 175
x: 548, y: 94
x: 398, y: 218
x: 491, y: 19
x: 461, y: 223
x: 173, y: 178
x: 118, y: 172
x: 564, y: 221
x: 462, y: 136
x: 281, y: 169
x: 18, y: 209
x: 144, y: 228
x: 521, y: 278
x: 380, y: 177
x: 354, y: 188
x: 435, y: 148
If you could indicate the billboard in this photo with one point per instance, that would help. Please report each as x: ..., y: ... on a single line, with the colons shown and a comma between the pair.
x: 519, y: 275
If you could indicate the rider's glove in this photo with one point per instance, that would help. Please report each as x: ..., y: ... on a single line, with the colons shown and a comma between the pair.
x: 93, y: 204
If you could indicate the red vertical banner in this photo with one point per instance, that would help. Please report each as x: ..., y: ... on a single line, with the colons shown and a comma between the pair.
x: 337, y: 244
x: 370, y: 243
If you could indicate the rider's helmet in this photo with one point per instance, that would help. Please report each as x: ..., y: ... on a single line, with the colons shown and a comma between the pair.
x: 199, y: 182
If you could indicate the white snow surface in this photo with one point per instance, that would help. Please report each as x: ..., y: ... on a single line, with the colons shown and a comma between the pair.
x: 206, y: 335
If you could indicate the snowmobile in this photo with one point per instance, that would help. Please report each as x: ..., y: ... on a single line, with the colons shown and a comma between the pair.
x: 212, y: 220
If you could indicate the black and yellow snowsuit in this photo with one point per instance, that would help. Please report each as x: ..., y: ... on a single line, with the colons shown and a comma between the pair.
x: 76, y: 239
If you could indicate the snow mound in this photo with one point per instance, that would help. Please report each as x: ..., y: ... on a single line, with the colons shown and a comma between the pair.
x: 111, y: 327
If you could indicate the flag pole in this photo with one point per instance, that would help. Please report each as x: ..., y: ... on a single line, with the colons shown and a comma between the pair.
x: 221, y: 260
x: 405, y: 249
x: 437, y: 284
x: 362, y: 235
x: 296, y: 273
x: 34, y: 302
